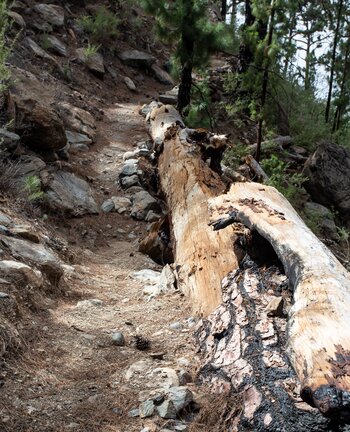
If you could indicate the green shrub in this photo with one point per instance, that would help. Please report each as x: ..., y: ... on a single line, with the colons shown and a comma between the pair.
x: 32, y: 188
x: 90, y: 50
x: 289, y: 184
x: 233, y: 156
x: 199, y: 111
x: 101, y: 26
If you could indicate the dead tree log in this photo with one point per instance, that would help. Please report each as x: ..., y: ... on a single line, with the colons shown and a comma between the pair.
x: 187, y: 183
x: 318, y: 337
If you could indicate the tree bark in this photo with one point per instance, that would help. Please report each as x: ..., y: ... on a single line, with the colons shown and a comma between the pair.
x: 317, y: 343
x: 187, y: 182
x: 223, y: 9
x: 334, y: 52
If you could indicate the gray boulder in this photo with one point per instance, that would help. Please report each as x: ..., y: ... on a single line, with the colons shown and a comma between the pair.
x: 129, y: 169
x: 161, y: 75
x: 8, y: 140
x: 52, y: 14
x: 130, y: 84
x: 77, y: 138
x: 142, y: 203
x: 107, y: 206
x: 137, y: 59
x: 328, y: 181
x: 323, y: 217
x: 70, y: 194
x: 180, y: 396
x: 17, y: 19
x: 41, y: 125
x: 35, y: 254
x: 56, y: 46
x: 29, y: 165
x: 20, y: 272
x: 130, y: 181
x: 93, y: 62
x: 77, y: 120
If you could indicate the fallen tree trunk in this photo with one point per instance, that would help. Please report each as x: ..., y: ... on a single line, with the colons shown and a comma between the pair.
x: 318, y: 338
x: 188, y: 183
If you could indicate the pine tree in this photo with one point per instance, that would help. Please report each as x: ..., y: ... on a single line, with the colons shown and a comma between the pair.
x: 185, y: 23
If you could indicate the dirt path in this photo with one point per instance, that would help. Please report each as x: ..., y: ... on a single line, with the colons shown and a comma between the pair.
x: 72, y: 376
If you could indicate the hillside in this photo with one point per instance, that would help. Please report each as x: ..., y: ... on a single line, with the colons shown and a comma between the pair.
x: 96, y: 330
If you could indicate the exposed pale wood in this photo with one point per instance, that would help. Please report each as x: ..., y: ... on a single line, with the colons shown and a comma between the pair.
x: 318, y: 337
x: 319, y: 320
x: 187, y: 183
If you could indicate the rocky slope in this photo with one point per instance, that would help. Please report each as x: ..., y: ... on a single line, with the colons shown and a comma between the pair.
x: 93, y: 335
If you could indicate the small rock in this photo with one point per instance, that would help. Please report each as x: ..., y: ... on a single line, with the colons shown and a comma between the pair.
x: 191, y: 322
x: 143, y: 202
x: 108, y: 206
x: 161, y: 75
x: 167, y: 410
x: 152, y: 217
x: 131, y: 161
x: 128, y: 169
x: 184, y: 377
x: 130, y: 84
x: 5, y: 220
x: 137, y: 59
x: 146, y: 409
x: 21, y: 272
x: 56, y: 46
x: 17, y: 18
x: 121, y: 203
x: 93, y: 62
x: 4, y: 296
x: 68, y: 193
x: 134, y: 412
x: 157, y: 355
x: 275, y: 307
x: 176, y: 326
x: 180, y: 397
x: 26, y: 232
x: 118, y: 339
x: 128, y: 182
x: 117, y: 411
x: 168, y: 99
x: 78, y: 148
x: 77, y: 138
x: 90, y: 302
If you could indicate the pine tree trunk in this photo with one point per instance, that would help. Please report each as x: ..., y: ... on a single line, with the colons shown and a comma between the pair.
x: 246, y: 55
x: 265, y: 80
x: 184, y: 96
x: 340, y: 108
x: 334, y: 52
x: 223, y: 9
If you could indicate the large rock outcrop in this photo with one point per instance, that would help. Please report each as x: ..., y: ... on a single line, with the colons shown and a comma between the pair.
x: 328, y: 181
x: 34, y: 119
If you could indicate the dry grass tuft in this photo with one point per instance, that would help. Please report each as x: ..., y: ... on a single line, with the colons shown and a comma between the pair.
x: 9, y: 337
x: 216, y: 413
